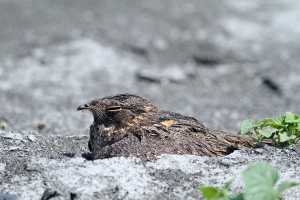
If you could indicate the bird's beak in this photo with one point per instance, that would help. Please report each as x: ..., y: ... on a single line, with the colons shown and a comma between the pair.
x: 84, y: 106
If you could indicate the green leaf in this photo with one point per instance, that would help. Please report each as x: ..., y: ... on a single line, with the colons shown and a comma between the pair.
x: 284, y: 136
x: 290, y: 129
x: 277, y: 122
x: 266, y: 133
x: 209, y: 192
x: 238, y: 197
x: 247, y: 125
x: 212, y: 193
x: 259, y: 181
x: 262, y: 123
x: 289, y: 117
x: 285, y: 185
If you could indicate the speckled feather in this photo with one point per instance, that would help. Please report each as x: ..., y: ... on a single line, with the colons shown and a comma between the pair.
x: 128, y: 125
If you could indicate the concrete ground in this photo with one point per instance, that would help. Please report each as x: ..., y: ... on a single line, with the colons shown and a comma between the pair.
x: 220, y: 62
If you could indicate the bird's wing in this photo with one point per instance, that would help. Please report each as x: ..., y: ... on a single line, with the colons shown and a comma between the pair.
x: 196, y: 137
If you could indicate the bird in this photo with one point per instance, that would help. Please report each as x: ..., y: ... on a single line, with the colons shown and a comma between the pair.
x: 127, y: 125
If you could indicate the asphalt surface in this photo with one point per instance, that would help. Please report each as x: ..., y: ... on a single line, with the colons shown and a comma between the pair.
x: 220, y: 62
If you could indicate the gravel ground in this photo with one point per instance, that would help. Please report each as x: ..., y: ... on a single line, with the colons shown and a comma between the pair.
x: 33, y: 164
x: 220, y: 62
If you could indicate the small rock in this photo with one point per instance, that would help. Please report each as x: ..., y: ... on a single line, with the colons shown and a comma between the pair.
x: 3, y: 125
x: 12, y: 135
x: 49, y: 193
x: 203, y: 60
x: 31, y: 138
x: 173, y: 74
x: 137, y: 50
x: 41, y: 126
x: 73, y: 195
x: 271, y: 85
x: 149, y: 75
x: 4, y: 196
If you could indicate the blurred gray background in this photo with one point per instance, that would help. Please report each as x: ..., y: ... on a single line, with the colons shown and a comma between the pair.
x: 218, y: 61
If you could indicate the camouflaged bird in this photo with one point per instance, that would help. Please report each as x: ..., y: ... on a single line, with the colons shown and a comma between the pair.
x: 128, y: 125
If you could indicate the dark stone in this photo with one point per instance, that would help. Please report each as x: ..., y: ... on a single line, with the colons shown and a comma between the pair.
x: 202, y: 60
x: 136, y: 50
x: 70, y: 155
x: 73, y: 195
x: 148, y: 77
x: 49, y: 193
x: 87, y: 156
x: 270, y: 84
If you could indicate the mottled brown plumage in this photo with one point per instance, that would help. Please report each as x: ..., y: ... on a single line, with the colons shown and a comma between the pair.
x: 128, y: 125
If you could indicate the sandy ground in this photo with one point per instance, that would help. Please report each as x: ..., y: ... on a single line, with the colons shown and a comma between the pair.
x: 220, y: 62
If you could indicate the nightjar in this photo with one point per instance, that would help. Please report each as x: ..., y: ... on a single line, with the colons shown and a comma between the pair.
x: 128, y: 125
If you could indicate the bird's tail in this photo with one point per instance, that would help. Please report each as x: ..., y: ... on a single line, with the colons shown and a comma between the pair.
x: 234, y: 140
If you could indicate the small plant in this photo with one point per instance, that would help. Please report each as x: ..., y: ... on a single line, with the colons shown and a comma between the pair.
x: 259, y: 179
x: 282, y: 130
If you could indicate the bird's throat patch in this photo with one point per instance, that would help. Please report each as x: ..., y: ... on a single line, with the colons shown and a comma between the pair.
x: 168, y: 122
x: 102, y: 127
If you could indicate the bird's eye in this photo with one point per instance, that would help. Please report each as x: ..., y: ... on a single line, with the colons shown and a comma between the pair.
x: 114, y: 108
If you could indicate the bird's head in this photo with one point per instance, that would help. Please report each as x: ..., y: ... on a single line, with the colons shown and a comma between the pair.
x: 117, y: 110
